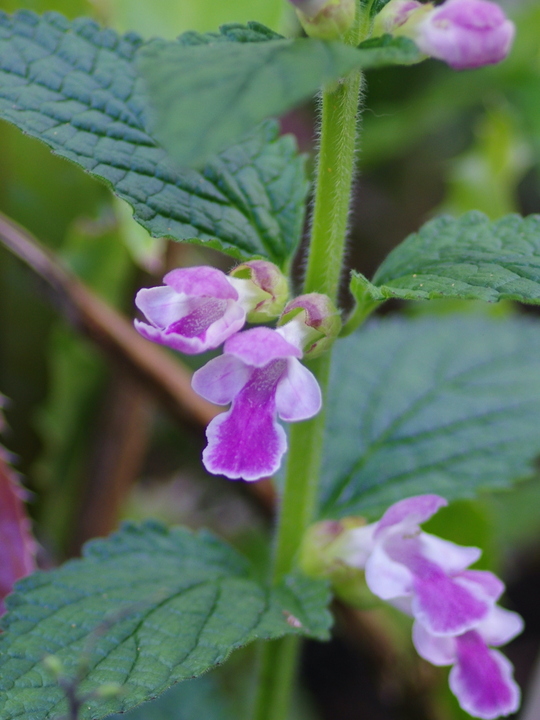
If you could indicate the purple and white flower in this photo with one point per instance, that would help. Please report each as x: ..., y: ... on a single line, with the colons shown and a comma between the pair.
x: 260, y: 374
x: 420, y: 572
x: 457, y: 619
x: 466, y: 33
x: 196, y: 310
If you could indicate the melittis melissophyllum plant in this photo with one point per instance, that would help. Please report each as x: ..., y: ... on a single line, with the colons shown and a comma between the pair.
x: 387, y: 424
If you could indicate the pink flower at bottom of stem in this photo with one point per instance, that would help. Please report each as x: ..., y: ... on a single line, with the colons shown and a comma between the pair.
x: 260, y: 374
x: 428, y: 575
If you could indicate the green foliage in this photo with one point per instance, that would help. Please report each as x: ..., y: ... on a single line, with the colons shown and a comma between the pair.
x: 470, y: 258
x: 75, y: 87
x: 209, y: 95
x: 145, y: 608
x: 443, y: 405
x: 375, y: 6
x: 486, y: 176
x: 387, y: 50
x: 229, y: 33
x: 168, y: 18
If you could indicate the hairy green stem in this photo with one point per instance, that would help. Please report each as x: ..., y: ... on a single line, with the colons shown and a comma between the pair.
x: 299, y: 499
x: 339, y: 111
x: 334, y: 184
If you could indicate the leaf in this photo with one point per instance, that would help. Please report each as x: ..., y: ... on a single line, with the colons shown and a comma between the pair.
x: 387, y: 50
x: 167, y: 18
x: 376, y: 6
x: 75, y: 87
x: 230, y: 33
x: 447, y: 405
x: 148, y: 607
x: 470, y: 258
x: 207, y: 96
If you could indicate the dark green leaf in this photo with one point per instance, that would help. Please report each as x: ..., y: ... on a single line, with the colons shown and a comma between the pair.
x: 232, y: 32
x: 75, y: 87
x: 209, y: 95
x: 470, y: 258
x: 146, y: 608
x: 376, y: 6
x: 447, y: 405
x: 387, y: 50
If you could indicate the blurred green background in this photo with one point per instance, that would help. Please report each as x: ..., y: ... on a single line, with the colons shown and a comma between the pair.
x: 433, y: 141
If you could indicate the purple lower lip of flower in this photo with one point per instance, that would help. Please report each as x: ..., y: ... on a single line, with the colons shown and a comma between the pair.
x: 466, y: 34
x: 196, y: 310
x: 260, y: 374
x: 481, y: 679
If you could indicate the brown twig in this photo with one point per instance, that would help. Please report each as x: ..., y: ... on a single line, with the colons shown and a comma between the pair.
x: 165, y: 378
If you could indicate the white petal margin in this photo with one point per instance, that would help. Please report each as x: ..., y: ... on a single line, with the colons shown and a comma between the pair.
x: 298, y: 395
x: 435, y: 649
x: 163, y: 306
x: 500, y: 626
x: 385, y: 578
x: 221, y: 379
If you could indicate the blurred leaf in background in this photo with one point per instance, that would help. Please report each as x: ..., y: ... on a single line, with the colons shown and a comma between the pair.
x: 169, y: 18
x: 486, y: 176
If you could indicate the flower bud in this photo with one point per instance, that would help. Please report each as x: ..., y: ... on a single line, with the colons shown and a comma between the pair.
x: 395, y: 14
x: 465, y: 34
x: 325, y: 19
x: 311, y: 322
x: 325, y: 552
x: 262, y: 288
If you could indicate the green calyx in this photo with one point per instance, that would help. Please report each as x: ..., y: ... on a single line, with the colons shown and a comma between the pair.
x: 324, y: 553
x: 262, y: 289
x: 314, y: 321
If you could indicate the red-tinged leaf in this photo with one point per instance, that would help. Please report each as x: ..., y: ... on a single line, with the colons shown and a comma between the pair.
x: 17, y: 545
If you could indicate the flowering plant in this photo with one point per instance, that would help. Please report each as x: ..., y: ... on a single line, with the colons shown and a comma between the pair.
x: 356, y: 435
